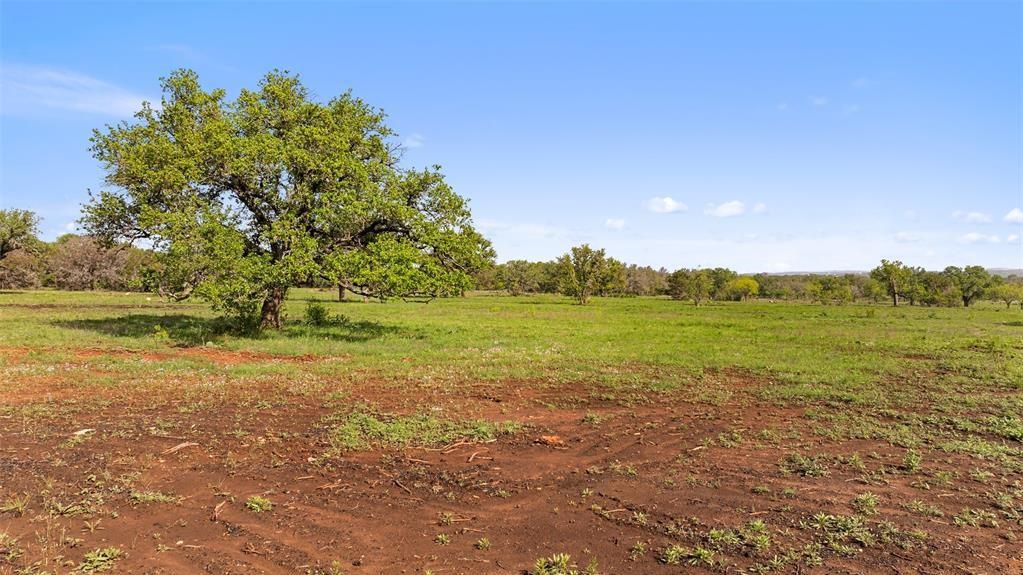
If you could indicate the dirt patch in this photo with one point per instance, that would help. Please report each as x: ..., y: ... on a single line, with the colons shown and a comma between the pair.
x: 621, y: 485
x: 215, y: 355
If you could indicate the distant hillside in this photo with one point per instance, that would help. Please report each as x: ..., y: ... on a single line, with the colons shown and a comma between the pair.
x: 1004, y: 272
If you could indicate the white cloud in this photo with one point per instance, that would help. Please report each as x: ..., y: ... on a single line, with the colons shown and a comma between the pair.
x: 70, y: 227
x: 819, y: 101
x: 977, y: 238
x: 665, y: 205
x: 1013, y: 238
x: 863, y: 82
x: 760, y: 208
x: 1015, y: 216
x: 614, y: 223
x: 906, y: 237
x: 971, y: 217
x: 782, y: 106
x: 414, y: 141
x: 850, y: 109
x: 726, y: 210
x: 27, y: 89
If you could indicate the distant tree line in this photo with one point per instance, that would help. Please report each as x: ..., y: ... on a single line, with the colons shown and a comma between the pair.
x: 79, y: 262
x: 71, y: 262
x: 584, y: 272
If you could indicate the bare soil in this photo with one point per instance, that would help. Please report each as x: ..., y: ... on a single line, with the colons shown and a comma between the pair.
x: 587, y: 477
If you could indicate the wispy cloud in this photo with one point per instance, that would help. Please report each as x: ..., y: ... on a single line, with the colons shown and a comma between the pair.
x: 971, y: 217
x: 1015, y: 216
x: 176, y: 49
x: 727, y: 209
x: 819, y: 101
x: 414, y: 141
x: 665, y: 205
x: 906, y: 237
x: 978, y: 238
x: 850, y: 109
x: 760, y: 208
x: 31, y: 89
x: 522, y: 229
x: 863, y: 82
x: 614, y: 223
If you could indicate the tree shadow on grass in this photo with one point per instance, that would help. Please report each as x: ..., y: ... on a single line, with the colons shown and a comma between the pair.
x: 190, y: 330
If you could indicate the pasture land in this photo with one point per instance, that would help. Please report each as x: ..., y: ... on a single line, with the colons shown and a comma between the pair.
x: 490, y: 434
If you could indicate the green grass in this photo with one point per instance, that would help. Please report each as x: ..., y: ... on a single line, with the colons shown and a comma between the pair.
x: 362, y: 428
x: 841, y: 354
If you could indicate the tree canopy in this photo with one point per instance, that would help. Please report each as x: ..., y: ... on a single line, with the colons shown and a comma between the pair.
x: 18, y: 229
x: 242, y: 199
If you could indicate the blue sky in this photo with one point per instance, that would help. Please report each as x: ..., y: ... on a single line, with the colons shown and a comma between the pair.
x: 763, y: 137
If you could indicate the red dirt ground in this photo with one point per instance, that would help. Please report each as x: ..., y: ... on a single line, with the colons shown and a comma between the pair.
x: 649, y: 467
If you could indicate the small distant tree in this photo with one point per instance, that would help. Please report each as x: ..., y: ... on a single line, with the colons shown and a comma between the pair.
x: 613, y: 278
x: 644, y: 280
x: 18, y: 230
x: 831, y: 290
x: 741, y: 288
x: 719, y: 278
x: 582, y: 271
x: 971, y: 281
x: 519, y: 277
x: 82, y: 263
x: 1007, y: 293
x: 21, y: 269
x: 690, y: 284
x: 894, y: 276
x: 935, y: 289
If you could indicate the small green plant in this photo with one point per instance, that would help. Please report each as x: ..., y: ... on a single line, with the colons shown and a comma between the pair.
x: 99, y: 560
x: 912, y: 461
x: 16, y: 504
x: 317, y: 314
x: 677, y: 555
x: 153, y: 497
x: 976, y: 518
x: 922, y: 508
x: 557, y: 564
x: 674, y: 554
x: 865, y: 503
x: 807, y: 466
x: 483, y: 544
x: 258, y: 504
x: 638, y: 550
x: 442, y: 539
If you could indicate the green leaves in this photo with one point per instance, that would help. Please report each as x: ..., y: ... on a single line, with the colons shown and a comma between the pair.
x: 243, y: 199
x: 18, y: 229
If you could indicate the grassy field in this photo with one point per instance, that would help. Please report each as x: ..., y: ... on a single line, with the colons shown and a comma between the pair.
x: 643, y: 434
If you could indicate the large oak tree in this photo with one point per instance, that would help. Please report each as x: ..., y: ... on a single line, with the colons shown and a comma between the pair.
x: 243, y: 199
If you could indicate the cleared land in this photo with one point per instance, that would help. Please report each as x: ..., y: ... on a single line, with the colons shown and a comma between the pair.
x: 478, y: 435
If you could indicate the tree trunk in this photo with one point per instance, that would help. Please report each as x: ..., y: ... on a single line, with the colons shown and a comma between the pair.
x: 340, y: 292
x: 895, y: 299
x: 270, y: 314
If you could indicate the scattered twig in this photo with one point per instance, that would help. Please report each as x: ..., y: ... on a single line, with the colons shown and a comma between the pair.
x: 216, y: 511
x: 180, y: 446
